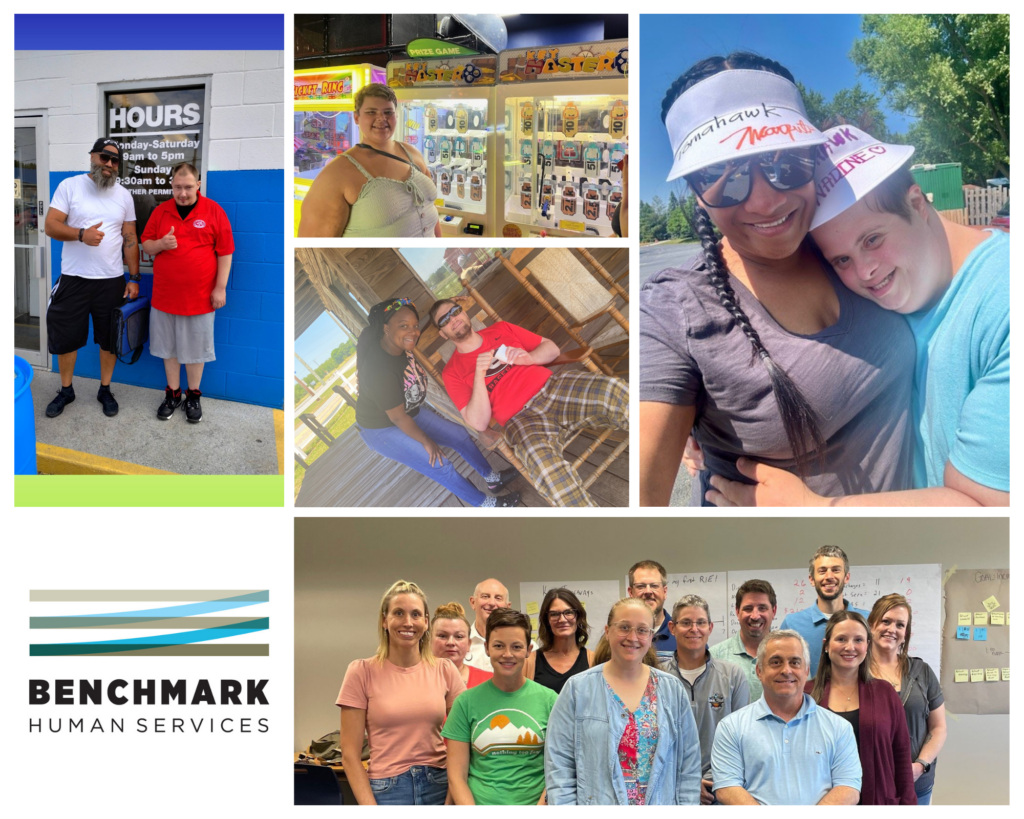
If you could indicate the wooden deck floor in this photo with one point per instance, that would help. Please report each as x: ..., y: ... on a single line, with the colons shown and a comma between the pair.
x: 351, y: 475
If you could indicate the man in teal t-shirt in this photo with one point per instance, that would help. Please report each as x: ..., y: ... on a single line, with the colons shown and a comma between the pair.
x: 502, y: 722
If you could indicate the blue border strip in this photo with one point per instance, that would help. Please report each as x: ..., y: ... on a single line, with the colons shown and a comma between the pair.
x: 152, y: 32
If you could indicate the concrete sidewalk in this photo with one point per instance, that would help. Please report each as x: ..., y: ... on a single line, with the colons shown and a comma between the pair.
x: 232, y: 439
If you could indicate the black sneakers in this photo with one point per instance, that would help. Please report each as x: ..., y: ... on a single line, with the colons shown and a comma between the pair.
x: 170, y: 404
x: 507, y: 501
x: 193, y: 409
x: 106, y: 398
x: 505, y: 477
x: 65, y: 395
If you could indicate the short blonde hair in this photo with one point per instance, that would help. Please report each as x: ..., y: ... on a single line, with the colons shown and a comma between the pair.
x: 383, y: 640
x: 373, y: 89
x: 603, y: 651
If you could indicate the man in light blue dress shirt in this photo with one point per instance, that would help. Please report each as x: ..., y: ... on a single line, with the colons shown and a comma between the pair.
x: 784, y: 749
x: 829, y: 572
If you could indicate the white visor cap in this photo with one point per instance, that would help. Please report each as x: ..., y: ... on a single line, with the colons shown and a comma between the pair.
x: 850, y: 165
x: 734, y: 114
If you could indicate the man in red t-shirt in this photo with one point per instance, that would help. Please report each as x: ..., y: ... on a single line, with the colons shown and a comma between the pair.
x: 189, y: 238
x: 499, y: 372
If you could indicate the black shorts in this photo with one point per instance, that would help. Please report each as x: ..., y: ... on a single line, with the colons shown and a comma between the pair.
x: 72, y: 300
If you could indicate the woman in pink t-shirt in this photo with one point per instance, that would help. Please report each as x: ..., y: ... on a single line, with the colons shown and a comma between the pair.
x: 449, y: 632
x: 398, y: 700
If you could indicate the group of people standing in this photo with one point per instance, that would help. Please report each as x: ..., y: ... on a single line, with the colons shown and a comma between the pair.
x: 829, y: 708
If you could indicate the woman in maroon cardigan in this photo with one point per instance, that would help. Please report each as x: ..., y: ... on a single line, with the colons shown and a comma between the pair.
x: 844, y: 685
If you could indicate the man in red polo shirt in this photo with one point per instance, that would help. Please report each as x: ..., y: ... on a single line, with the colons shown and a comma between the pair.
x: 499, y: 372
x: 191, y: 264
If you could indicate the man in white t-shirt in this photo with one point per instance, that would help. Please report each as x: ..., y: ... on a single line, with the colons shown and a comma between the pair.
x: 95, y: 218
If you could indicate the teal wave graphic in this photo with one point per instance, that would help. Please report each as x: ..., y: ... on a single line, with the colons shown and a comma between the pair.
x: 192, y: 608
x: 134, y: 643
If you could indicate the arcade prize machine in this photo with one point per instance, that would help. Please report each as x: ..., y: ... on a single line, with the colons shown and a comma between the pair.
x: 324, y: 122
x: 444, y: 106
x: 565, y: 135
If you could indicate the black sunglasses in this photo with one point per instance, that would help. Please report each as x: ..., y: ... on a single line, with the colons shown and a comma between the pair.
x: 113, y: 160
x: 441, y: 322
x: 726, y: 184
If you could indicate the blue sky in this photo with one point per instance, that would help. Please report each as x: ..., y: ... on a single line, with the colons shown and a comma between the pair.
x: 815, y: 48
x: 323, y: 335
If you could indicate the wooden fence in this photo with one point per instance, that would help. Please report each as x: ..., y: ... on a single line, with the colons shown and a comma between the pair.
x: 982, y: 204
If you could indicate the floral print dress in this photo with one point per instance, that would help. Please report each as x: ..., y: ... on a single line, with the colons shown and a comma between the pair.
x: 638, y: 741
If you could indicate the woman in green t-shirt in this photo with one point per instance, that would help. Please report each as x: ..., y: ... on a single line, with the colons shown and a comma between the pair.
x: 496, y: 731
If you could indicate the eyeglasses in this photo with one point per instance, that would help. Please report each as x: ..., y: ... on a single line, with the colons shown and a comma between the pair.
x: 398, y: 304
x: 623, y: 630
x: 568, y: 614
x: 725, y: 184
x: 441, y: 322
x: 701, y: 624
x: 105, y: 158
x: 642, y: 587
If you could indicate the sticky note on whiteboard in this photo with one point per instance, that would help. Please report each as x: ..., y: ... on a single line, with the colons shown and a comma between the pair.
x: 963, y: 618
x: 961, y: 675
x: 991, y: 603
x: 981, y: 634
x: 963, y: 632
x: 977, y: 675
x: 1006, y: 674
x: 532, y: 608
x: 997, y: 618
x: 991, y: 675
x: 981, y: 618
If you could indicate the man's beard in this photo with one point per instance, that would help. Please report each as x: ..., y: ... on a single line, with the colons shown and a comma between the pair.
x: 464, y: 332
x: 102, y: 181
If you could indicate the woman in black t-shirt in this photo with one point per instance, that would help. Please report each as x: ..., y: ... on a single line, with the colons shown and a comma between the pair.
x: 562, y: 634
x: 391, y: 420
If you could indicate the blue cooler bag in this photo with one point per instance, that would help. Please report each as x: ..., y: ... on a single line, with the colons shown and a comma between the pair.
x: 129, y: 329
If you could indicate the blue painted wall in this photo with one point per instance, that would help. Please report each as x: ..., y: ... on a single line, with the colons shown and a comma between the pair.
x: 249, y: 329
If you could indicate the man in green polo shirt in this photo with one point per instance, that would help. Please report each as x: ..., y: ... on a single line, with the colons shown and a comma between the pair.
x: 755, y: 609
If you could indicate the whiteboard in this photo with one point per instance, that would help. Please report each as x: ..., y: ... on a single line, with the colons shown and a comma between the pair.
x: 597, y: 597
x: 713, y: 587
x: 920, y: 583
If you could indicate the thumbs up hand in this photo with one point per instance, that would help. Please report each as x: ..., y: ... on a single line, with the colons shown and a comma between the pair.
x: 93, y: 235
x: 168, y: 242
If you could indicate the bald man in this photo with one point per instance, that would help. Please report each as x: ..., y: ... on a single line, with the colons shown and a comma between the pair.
x: 488, y: 595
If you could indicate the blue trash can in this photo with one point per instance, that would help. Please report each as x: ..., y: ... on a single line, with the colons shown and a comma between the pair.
x: 24, y: 420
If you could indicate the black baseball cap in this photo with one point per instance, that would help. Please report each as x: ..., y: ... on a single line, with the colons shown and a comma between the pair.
x: 101, y: 145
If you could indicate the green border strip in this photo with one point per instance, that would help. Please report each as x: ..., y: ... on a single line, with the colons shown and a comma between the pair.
x: 149, y: 490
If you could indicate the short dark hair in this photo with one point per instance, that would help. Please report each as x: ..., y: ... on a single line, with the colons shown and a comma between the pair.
x: 187, y: 167
x: 434, y: 308
x: 373, y: 89
x: 756, y: 587
x: 545, y: 638
x: 890, y: 195
x: 829, y: 551
x: 508, y: 618
x: 647, y: 564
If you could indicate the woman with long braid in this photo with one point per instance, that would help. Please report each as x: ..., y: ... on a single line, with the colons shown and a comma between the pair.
x: 757, y: 348
x: 390, y: 416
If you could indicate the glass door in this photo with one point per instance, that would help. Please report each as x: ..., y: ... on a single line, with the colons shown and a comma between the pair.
x: 31, y: 284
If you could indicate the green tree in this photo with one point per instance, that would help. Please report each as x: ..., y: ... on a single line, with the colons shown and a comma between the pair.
x: 653, y: 218
x: 849, y: 106
x: 952, y: 71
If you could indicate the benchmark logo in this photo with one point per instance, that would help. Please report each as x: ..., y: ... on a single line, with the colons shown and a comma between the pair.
x: 188, y: 627
x: 151, y: 623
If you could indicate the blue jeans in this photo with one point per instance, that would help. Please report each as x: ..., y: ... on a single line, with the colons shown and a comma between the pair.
x: 420, y: 785
x: 926, y: 797
x: 392, y: 443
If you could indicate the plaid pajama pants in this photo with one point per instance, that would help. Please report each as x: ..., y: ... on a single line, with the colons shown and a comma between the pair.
x: 568, y: 402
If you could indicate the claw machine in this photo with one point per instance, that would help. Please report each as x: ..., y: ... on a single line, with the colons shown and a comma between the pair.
x: 565, y: 134
x: 324, y: 122
x: 445, y: 111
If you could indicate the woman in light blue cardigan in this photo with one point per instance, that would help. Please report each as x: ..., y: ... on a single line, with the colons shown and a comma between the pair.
x: 623, y: 733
